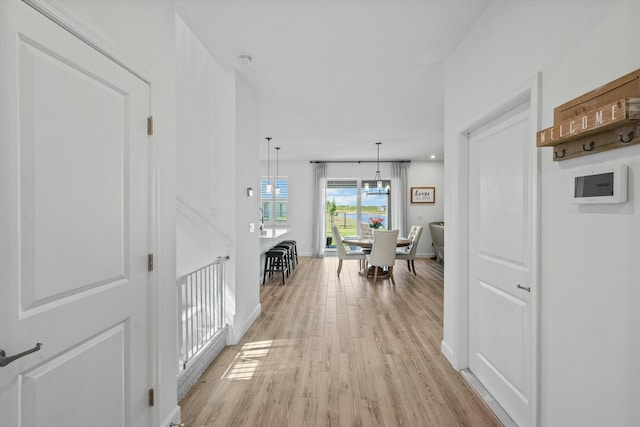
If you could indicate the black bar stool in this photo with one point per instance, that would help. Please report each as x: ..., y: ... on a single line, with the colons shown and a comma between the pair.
x: 290, y: 247
x: 295, y: 248
x: 275, y: 261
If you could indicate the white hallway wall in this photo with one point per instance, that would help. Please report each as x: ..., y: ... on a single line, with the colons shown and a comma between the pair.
x: 301, y: 191
x: 426, y: 174
x: 205, y: 96
x: 247, y: 174
x: 589, y: 293
x: 217, y: 158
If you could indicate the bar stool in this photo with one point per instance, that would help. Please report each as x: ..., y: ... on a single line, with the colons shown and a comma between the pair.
x: 290, y: 247
x: 275, y: 261
x: 295, y: 248
x: 287, y: 257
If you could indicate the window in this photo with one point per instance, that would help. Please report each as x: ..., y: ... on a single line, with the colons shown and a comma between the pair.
x: 348, y: 204
x: 275, y: 204
x: 376, y: 204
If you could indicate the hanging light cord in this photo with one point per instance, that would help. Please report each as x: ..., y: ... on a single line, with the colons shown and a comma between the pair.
x: 377, y: 178
x: 268, y: 186
x: 277, y: 188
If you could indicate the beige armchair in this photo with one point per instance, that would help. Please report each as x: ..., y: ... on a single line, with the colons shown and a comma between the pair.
x: 437, y: 236
x: 343, y: 253
x: 409, y: 253
x: 383, y: 252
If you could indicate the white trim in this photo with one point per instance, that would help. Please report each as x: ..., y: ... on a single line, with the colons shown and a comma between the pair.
x: 174, y: 417
x: 427, y: 255
x: 236, y: 333
x: 458, y: 356
x: 536, y: 109
x: 84, y: 32
x: 446, y: 351
x: 193, y: 215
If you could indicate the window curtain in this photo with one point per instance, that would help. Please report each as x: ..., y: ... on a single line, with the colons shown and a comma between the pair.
x: 320, y: 179
x: 399, y: 196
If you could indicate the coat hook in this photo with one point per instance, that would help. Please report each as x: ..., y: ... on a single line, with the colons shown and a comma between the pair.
x: 559, y: 156
x: 591, y: 146
x: 630, y: 136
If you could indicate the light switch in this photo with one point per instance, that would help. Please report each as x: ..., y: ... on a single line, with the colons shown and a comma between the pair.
x: 252, y: 227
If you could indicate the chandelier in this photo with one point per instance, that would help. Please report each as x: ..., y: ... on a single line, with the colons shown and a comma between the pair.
x: 378, y: 179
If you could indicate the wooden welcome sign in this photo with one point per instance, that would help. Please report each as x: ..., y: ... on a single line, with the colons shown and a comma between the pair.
x: 600, y: 120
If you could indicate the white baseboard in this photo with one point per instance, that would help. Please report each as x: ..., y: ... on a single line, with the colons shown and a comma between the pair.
x: 426, y: 255
x: 447, y: 352
x: 174, y: 417
x: 237, y: 333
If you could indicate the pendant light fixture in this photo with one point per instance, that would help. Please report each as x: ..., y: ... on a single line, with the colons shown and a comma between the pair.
x: 268, y: 186
x: 377, y: 179
x: 276, y: 180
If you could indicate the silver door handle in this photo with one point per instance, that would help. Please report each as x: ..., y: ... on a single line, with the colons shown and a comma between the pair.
x: 524, y: 288
x: 5, y: 360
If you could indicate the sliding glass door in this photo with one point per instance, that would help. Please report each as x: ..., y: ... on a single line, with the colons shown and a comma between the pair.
x: 348, y: 204
x: 342, y: 209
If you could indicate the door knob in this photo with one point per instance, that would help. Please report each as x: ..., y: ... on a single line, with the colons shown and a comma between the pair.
x: 5, y: 360
x: 524, y: 288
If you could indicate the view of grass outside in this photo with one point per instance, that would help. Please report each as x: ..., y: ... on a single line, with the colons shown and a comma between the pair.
x: 344, y: 217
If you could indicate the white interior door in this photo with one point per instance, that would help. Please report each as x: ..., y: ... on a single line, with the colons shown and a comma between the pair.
x: 502, y: 260
x: 74, y: 210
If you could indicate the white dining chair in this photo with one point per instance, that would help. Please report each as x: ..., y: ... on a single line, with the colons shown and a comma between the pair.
x: 383, y: 252
x: 343, y: 253
x: 409, y: 253
x: 366, y: 232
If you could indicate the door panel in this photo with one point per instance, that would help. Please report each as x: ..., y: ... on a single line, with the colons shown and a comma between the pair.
x: 46, y: 401
x: 502, y: 198
x: 93, y: 191
x: 494, y: 334
x: 500, y: 249
x: 74, y: 185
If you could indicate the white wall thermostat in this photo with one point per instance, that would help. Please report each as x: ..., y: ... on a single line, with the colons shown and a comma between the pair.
x: 599, y: 184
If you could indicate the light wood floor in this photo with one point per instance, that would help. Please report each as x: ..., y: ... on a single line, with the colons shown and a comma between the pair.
x: 340, y: 352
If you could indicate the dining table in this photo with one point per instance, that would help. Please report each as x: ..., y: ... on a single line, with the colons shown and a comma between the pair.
x: 366, y: 244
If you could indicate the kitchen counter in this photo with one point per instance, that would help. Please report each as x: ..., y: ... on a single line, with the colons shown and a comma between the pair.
x: 273, y: 233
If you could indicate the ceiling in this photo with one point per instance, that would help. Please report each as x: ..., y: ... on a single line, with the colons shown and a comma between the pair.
x: 334, y: 77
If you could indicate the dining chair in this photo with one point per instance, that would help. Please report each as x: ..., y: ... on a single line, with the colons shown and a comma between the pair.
x: 412, y: 231
x: 383, y: 252
x: 366, y: 232
x: 343, y: 253
x: 409, y: 253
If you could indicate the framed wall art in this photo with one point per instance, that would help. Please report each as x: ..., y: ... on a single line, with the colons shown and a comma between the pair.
x: 423, y: 194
